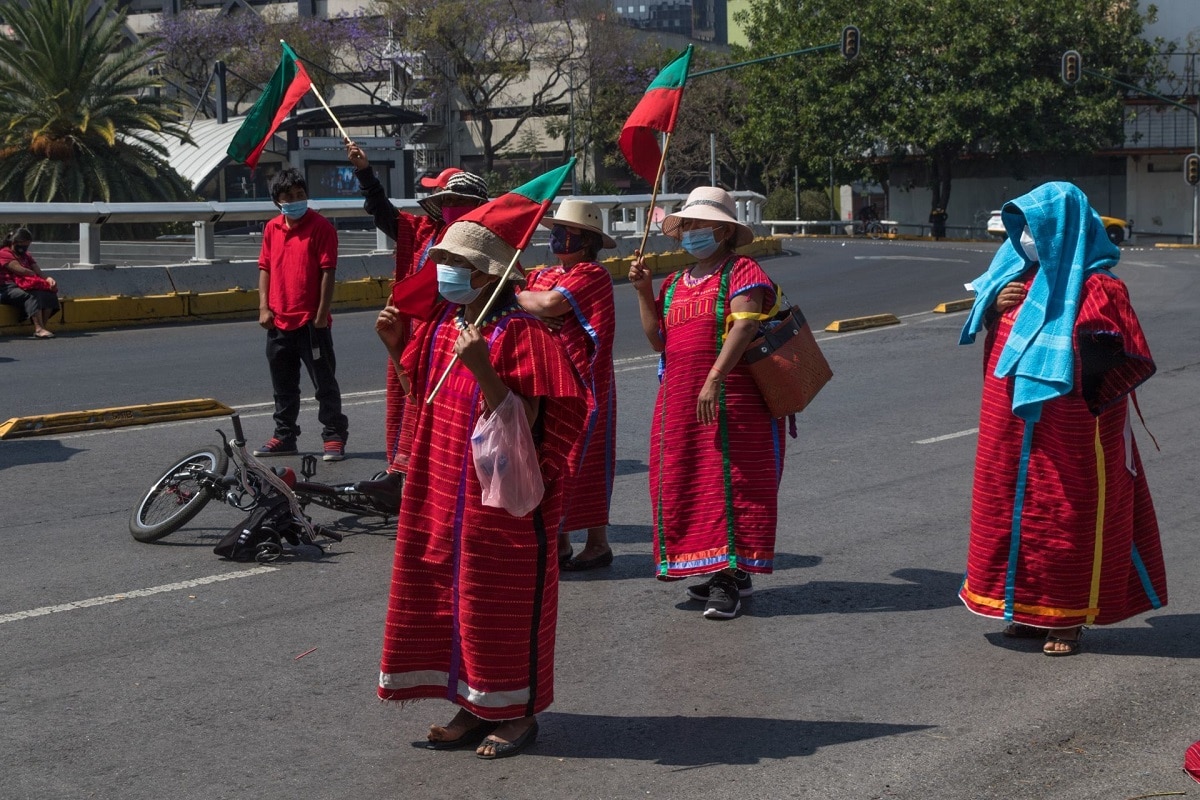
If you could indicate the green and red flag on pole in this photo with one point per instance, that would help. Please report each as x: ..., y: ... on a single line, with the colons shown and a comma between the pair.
x: 514, y: 216
x: 286, y: 88
x: 655, y: 112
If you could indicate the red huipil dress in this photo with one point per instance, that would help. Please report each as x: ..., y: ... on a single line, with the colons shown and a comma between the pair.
x: 415, y: 235
x: 587, y: 334
x: 714, y: 489
x: 1063, y: 531
x: 474, y: 593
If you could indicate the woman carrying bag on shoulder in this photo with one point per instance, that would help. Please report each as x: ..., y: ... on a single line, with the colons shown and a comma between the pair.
x: 716, y: 452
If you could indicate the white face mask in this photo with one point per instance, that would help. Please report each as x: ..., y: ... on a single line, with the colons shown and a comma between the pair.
x: 1028, y: 246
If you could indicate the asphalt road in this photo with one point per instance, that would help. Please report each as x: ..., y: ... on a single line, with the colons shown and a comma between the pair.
x: 853, y: 672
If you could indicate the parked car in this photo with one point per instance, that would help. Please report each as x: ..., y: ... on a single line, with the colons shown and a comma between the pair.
x: 1118, y: 229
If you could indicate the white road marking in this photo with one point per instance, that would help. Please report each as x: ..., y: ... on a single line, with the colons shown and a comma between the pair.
x: 911, y: 258
x: 116, y: 598
x: 943, y: 438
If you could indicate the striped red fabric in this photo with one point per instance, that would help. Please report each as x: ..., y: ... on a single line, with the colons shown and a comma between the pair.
x: 708, y: 517
x: 588, y: 335
x: 414, y: 234
x: 1088, y: 549
x: 473, y: 605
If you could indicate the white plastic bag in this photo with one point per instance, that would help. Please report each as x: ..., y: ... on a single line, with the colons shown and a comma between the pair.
x: 506, y: 461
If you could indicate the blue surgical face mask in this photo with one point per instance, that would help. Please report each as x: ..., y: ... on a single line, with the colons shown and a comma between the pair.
x: 294, y: 210
x: 562, y: 241
x: 454, y: 284
x: 700, y: 242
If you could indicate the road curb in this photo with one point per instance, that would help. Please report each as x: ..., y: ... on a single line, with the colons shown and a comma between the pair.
x: 119, y: 417
x: 1167, y: 246
x: 953, y: 306
x: 860, y: 323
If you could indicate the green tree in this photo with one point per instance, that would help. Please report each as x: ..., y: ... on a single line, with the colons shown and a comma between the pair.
x: 938, y: 80
x: 80, y: 113
x: 501, y: 59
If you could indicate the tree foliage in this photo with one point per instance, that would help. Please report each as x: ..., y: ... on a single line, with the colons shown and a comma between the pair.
x: 502, y: 58
x: 937, y: 80
x: 347, y: 48
x: 81, y: 117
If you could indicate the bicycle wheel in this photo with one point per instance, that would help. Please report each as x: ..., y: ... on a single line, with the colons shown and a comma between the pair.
x: 345, y: 499
x: 176, y: 496
x: 875, y: 230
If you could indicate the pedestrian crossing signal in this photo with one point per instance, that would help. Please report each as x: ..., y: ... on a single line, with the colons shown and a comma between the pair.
x: 1191, y: 168
x: 1072, y: 65
x: 850, y: 42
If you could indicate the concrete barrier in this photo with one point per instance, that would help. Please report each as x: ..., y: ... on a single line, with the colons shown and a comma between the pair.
x: 130, y: 296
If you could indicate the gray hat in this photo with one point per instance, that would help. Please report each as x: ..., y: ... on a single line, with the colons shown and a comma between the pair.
x: 484, y: 250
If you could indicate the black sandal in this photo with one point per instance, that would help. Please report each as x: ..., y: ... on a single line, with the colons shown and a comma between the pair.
x: 506, y: 749
x: 1073, y: 645
x: 469, y: 738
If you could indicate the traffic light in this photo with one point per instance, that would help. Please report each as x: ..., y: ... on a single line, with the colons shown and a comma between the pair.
x: 1072, y: 66
x: 1191, y: 168
x: 850, y: 42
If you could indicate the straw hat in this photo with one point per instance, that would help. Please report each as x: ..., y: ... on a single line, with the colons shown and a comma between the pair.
x: 708, y: 203
x: 578, y: 213
x: 458, y: 186
x: 481, y: 248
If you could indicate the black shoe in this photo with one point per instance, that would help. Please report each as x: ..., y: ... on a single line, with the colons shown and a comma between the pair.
x: 384, y: 492
x: 605, y: 559
x: 723, y: 599
x: 744, y: 586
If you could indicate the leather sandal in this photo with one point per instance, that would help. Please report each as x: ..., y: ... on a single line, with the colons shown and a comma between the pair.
x: 1073, y: 645
x: 507, y: 749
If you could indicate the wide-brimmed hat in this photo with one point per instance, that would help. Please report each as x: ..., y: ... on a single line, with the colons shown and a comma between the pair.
x: 708, y: 203
x: 578, y: 213
x: 459, y: 186
x: 484, y: 250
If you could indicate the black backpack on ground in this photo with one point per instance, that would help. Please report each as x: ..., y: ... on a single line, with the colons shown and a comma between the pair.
x: 260, y: 536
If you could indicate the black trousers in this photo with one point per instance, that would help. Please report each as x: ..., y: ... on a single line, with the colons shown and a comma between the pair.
x: 30, y: 302
x: 312, y: 347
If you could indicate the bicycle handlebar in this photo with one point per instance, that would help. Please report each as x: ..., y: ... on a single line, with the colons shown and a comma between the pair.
x: 236, y: 418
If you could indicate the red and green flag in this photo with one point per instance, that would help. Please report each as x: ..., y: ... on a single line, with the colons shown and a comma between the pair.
x: 288, y: 85
x: 654, y: 113
x: 514, y: 216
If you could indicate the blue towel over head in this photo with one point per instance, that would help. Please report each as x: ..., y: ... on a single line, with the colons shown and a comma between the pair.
x: 1071, y: 243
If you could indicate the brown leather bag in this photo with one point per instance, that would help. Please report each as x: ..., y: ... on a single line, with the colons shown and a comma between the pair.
x: 787, y: 364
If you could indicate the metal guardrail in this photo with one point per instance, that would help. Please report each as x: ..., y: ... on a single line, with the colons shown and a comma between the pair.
x: 91, y: 217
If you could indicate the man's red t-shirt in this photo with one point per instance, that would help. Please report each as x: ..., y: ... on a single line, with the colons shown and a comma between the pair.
x: 295, y: 257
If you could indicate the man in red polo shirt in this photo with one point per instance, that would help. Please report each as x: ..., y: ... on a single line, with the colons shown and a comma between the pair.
x: 453, y: 193
x: 295, y: 289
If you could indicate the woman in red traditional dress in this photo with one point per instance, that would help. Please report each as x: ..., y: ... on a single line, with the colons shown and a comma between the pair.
x: 474, y: 597
x: 716, y: 454
x: 576, y: 297
x: 1063, y: 530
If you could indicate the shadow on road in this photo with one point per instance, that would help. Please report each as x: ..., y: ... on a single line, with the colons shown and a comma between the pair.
x: 926, y: 590
x: 1169, y: 636
x: 699, y: 741
x: 34, y: 451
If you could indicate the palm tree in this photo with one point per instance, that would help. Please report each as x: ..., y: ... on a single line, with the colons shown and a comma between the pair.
x: 80, y: 116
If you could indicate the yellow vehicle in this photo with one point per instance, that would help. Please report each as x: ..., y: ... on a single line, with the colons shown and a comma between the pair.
x: 1118, y: 230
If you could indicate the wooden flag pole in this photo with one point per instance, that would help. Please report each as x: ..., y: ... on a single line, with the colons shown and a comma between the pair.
x: 662, y: 162
x: 491, y: 301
